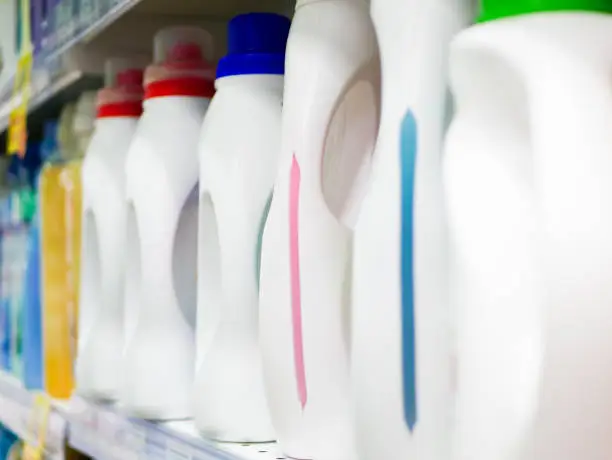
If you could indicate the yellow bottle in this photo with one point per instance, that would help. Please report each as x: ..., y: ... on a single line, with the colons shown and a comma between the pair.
x: 60, y: 207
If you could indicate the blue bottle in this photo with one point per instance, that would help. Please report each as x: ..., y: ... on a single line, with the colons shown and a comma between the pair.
x: 32, y: 313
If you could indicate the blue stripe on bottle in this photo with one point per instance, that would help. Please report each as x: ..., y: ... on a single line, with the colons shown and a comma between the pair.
x: 408, y: 153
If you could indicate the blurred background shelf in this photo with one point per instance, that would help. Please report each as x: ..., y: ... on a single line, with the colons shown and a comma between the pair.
x: 49, y: 97
x: 18, y: 412
x: 103, y: 434
x: 63, y: 69
x: 75, y: 63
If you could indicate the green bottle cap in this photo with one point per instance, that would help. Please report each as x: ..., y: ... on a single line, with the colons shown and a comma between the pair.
x: 491, y: 10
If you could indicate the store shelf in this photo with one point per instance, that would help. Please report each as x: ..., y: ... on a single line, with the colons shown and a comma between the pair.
x: 58, y: 76
x: 104, y: 434
x: 48, y: 99
x: 50, y: 82
x: 18, y: 413
x: 89, y: 31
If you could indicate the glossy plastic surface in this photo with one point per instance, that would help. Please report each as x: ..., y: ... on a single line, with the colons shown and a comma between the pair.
x: 529, y: 199
x: 330, y: 122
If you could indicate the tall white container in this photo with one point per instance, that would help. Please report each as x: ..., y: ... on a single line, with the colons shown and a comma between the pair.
x: 330, y: 122
x: 239, y: 151
x: 528, y: 175
x: 402, y: 352
x: 100, y: 343
x: 162, y: 199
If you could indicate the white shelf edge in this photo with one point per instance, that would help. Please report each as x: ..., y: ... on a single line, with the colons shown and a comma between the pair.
x: 104, y: 434
x: 40, y: 96
x: 16, y: 413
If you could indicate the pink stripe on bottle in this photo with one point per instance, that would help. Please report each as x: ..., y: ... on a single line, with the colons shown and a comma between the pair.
x: 296, y: 297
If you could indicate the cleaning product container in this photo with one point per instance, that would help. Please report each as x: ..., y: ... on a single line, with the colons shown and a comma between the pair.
x: 239, y: 151
x: 60, y: 195
x: 330, y: 122
x: 32, y: 312
x: 33, y: 355
x: 101, y: 327
x: 528, y: 177
x: 402, y: 355
x: 162, y: 228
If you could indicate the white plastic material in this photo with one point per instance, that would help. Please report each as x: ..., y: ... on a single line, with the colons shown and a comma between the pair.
x: 162, y: 195
x: 330, y: 121
x: 402, y: 335
x: 238, y: 165
x: 528, y: 176
x: 103, y: 243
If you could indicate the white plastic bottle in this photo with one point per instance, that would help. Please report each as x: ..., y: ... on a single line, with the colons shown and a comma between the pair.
x: 239, y: 151
x: 528, y: 176
x: 330, y: 122
x: 100, y: 341
x: 162, y: 197
x: 402, y: 352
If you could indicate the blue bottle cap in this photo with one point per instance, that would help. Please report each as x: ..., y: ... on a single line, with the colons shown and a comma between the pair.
x: 256, y: 43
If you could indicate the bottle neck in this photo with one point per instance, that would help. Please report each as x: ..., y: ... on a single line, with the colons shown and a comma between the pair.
x: 301, y: 3
x: 114, y: 124
x: 175, y: 103
x: 268, y: 81
x: 180, y: 86
x: 120, y: 109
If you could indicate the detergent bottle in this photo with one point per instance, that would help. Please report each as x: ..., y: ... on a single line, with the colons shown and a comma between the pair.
x: 162, y: 228
x: 101, y: 327
x: 528, y: 178
x: 59, y: 205
x: 402, y: 326
x: 238, y: 163
x: 330, y: 123
x: 33, y: 312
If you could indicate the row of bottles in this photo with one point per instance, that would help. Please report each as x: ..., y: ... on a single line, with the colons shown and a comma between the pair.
x: 40, y: 250
x: 284, y: 251
x: 59, y: 229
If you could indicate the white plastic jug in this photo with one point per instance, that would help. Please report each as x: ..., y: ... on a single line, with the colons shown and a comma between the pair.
x: 402, y: 354
x: 162, y: 228
x: 528, y: 176
x: 100, y: 352
x: 239, y: 151
x: 330, y: 122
